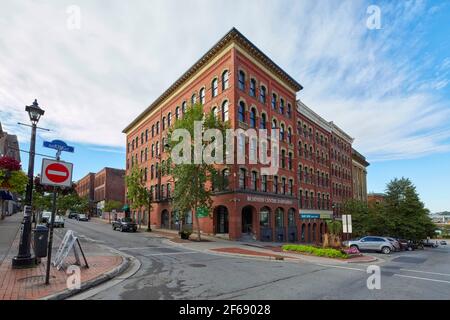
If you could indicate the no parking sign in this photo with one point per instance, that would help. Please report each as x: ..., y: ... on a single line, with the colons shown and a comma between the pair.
x: 56, y: 173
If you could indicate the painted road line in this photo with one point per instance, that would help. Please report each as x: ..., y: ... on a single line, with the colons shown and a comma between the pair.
x: 143, y: 248
x: 427, y: 272
x: 172, y: 253
x: 339, y: 267
x: 419, y: 278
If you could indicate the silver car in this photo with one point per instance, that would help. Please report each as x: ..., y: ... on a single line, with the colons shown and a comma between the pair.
x: 395, y: 243
x: 371, y: 243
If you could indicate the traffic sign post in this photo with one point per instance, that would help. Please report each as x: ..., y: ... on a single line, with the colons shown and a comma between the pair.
x: 57, y: 174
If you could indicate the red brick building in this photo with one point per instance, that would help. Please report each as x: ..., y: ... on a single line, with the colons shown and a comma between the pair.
x: 85, y: 188
x: 243, y: 86
x: 109, y: 184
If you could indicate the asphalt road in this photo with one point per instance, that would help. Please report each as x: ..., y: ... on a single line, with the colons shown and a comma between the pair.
x: 176, y: 273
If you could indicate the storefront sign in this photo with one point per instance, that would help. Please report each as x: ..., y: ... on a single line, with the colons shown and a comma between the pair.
x: 269, y: 200
x: 309, y: 216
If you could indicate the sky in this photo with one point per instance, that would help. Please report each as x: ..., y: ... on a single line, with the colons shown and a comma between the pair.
x: 94, y: 67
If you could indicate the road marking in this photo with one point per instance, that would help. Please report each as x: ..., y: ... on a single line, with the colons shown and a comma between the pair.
x: 143, y: 248
x: 419, y: 278
x: 418, y: 271
x: 339, y: 267
x: 171, y: 253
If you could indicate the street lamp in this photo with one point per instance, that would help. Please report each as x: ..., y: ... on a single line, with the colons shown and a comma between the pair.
x: 24, y: 258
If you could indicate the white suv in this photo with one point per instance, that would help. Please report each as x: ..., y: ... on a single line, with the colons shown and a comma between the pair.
x: 371, y: 243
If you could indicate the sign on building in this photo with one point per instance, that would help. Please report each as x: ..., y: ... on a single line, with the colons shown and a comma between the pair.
x: 347, y: 223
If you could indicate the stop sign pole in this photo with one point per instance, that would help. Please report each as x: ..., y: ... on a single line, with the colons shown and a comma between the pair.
x: 56, y: 174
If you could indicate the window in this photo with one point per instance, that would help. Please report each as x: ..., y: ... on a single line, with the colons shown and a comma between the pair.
x: 169, y: 119
x: 153, y: 150
x: 225, y: 111
x: 275, y: 184
x: 202, y: 95
x: 132, y: 145
x: 274, y: 124
x: 183, y: 107
x: 214, y: 112
x: 253, y: 150
x: 254, y: 175
x: 262, y: 123
x: 152, y: 172
x: 169, y: 191
x: 262, y: 94
x: 290, y: 161
x: 253, y: 87
x: 153, y: 131
x: 283, y: 185
x: 274, y: 101
x: 279, y: 218
x: 241, y: 111
x: 225, y: 175
x: 225, y: 78
x: 142, y: 138
x: 157, y: 127
x: 146, y: 135
x: 242, y: 178
x: 282, y: 132
x: 283, y: 159
x: 290, y: 187
x: 164, y: 123
x: 193, y: 99
x: 146, y: 154
x: 281, y: 106
x: 289, y: 110
x: 241, y: 80
x: 253, y: 118
x: 289, y: 135
x: 177, y: 113
x: 264, y: 183
x: 264, y: 217
x: 215, y: 88
x: 157, y: 148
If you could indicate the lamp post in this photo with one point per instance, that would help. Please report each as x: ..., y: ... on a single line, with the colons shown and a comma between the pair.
x: 24, y: 258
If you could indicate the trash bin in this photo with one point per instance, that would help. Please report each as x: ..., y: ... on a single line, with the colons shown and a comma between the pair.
x: 40, y: 241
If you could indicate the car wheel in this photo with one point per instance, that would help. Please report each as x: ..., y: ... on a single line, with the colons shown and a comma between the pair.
x: 354, y: 246
x: 410, y: 249
x: 63, y: 226
x: 114, y: 228
x: 386, y: 250
x: 121, y: 229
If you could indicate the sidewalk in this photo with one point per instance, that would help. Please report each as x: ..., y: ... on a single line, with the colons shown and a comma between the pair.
x: 19, y: 284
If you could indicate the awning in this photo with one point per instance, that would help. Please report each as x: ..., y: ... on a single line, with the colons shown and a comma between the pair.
x: 126, y: 208
x: 5, y: 195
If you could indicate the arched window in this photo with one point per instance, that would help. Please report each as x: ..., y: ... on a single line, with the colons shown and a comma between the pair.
x: 241, y: 80
x: 264, y: 217
x: 253, y: 118
x: 225, y: 177
x: 153, y: 150
x: 225, y: 111
x: 289, y: 110
x: 254, y: 180
x: 183, y: 107
x: 253, y: 88
x: 215, y: 87
x: 157, y: 127
x: 169, y: 119
x: 274, y: 101
x: 164, y: 123
x: 214, y: 112
x: 262, y: 94
x: 146, y: 135
x: 193, y: 99
x: 225, y: 78
x: 289, y: 135
x: 262, y: 123
x: 202, y: 96
x: 241, y: 111
x: 142, y: 138
x: 177, y: 113
x: 279, y: 218
x: 169, y: 191
x: 283, y: 159
x: 274, y: 124
x: 282, y: 132
x: 157, y: 148
x: 152, y: 172
x: 281, y: 106
x: 290, y: 161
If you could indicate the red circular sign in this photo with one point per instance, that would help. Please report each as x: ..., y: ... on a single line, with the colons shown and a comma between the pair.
x: 57, y: 173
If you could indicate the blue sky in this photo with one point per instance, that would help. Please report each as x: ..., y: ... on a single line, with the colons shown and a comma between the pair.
x: 389, y: 88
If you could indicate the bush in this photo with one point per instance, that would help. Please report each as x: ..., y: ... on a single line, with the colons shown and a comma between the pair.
x: 185, y: 234
x: 320, y: 252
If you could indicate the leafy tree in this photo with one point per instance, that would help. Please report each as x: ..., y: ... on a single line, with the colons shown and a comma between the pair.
x: 111, y: 205
x: 360, y: 216
x: 194, y: 181
x: 137, y: 192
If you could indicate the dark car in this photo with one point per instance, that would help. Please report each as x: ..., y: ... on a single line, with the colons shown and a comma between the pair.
x: 82, y: 217
x: 407, y: 245
x: 443, y: 243
x: 72, y: 215
x: 58, y: 223
x: 124, y: 224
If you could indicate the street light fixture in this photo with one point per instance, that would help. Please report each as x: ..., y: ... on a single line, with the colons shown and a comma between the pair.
x: 24, y: 259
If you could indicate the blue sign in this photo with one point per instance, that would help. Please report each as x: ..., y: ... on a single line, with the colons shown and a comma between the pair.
x: 310, y: 216
x: 58, y: 145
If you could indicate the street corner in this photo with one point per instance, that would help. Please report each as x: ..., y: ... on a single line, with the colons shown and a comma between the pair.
x: 241, y: 252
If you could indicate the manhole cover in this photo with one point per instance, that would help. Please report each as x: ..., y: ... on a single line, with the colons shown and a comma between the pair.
x: 409, y: 259
x: 197, y: 265
x: 34, y: 279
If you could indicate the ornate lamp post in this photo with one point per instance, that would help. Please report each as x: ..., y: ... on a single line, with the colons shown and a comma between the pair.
x: 24, y: 258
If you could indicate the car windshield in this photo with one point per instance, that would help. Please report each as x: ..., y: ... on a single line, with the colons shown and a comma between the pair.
x: 82, y: 215
x: 127, y: 220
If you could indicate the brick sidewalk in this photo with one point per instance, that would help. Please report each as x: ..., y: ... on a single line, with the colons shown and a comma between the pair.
x: 26, y: 284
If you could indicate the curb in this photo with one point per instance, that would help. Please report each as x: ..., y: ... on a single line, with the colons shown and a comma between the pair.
x: 96, y: 281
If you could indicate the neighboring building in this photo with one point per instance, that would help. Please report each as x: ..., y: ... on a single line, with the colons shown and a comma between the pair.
x: 9, y: 145
x: 242, y: 85
x: 359, y: 174
x: 375, y: 198
x: 85, y: 188
x: 109, y: 184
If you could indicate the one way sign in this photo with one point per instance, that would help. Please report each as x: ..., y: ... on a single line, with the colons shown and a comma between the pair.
x: 56, y: 173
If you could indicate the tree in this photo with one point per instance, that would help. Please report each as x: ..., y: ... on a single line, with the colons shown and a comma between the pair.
x: 111, y: 205
x: 360, y: 216
x: 137, y: 193
x: 194, y: 181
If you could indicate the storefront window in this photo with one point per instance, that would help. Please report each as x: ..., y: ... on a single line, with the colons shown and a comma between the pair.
x: 264, y: 217
x: 279, y: 218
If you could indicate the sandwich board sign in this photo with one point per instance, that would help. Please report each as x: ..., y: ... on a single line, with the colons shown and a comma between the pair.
x: 347, y: 223
x: 56, y: 173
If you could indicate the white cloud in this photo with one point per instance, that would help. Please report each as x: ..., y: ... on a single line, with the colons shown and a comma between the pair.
x: 92, y: 82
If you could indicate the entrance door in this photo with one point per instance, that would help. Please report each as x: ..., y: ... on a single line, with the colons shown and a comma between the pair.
x: 247, y: 221
x: 222, y: 220
x: 165, y: 219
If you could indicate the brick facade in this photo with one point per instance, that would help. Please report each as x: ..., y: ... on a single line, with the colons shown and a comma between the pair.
x: 245, y: 87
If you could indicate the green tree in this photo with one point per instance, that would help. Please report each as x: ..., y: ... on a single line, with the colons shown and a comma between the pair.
x: 111, y: 205
x: 360, y: 216
x: 137, y: 192
x: 408, y: 217
x: 194, y: 182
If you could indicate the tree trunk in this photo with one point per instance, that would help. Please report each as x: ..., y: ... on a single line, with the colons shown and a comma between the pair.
x: 149, y: 225
x: 198, y: 226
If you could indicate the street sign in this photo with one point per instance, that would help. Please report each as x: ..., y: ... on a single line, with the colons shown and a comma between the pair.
x: 58, y: 145
x: 56, y: 173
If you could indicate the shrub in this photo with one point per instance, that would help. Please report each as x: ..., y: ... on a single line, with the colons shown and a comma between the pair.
x: 320, y: 252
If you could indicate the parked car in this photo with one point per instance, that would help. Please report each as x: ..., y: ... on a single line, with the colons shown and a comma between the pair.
x: 395, y: 243
x: 443, y: 243
x: 82, y: 217
x: 407, y: 245
x: 371, y: 243
x: 45, y: 217
x: 58, y: 223
x: 72, y: 215
x: 430, y: 243
x: 124, y: 224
